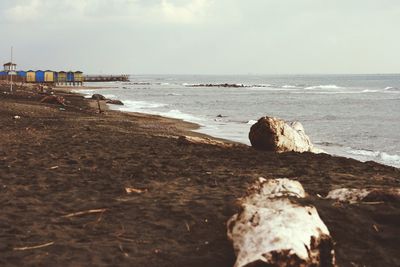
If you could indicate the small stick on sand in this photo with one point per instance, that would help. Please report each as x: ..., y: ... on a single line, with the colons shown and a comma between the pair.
x: 98, y: 105
x: 35, y: 247
x: 373, y: 203
x: 130, y: 190
x: 83, y: 213
x: 187, y: 226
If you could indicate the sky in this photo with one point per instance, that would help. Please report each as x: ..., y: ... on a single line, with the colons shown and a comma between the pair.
x: 203, y: 36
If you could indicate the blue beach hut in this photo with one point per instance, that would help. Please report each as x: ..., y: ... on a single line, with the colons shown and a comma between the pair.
x: 39, y: 76
x: 70, y: 76
x: 3, y: 75
x: 21, y: 73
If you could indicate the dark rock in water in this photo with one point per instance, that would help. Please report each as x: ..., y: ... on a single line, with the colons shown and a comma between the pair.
x: 218, y: 85
x: 273, y: 134
x: 99, y: 97
x: 114, y: 102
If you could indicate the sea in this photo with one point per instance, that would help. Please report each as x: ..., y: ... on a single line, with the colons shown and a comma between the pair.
x: 355, y: 116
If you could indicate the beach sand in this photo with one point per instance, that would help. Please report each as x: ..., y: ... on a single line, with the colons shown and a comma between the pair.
x: 55, y: 163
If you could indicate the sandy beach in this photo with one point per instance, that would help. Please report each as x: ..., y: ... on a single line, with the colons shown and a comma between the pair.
x: 79, y: 188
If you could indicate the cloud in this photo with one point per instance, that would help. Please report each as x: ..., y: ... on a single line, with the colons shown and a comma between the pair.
x: 190, y: 12
x: 24, y: 11
x: 169, y: 11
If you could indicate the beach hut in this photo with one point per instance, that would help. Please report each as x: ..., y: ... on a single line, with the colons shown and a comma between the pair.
x: 30, y: 76
x: 78, y: 76
x: 49, y: 76
x: 10, y: 67
x: 61, y: 77
x: 70, y: 76
x: 3, y: 75
x: 39, y: 76
x: 21, y: 73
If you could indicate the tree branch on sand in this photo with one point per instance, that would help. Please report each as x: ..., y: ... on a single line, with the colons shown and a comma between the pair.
x: 84, y: 212
x: 35, y: 247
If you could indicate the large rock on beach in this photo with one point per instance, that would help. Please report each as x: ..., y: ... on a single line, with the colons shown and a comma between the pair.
x: 273, y: 134
x: 114, y: 102
x: 98, y: 97
x: 274, y: 229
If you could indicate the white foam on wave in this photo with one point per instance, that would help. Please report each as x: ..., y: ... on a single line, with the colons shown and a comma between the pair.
x: 151, y: 108
x: 289, y: 86
x: 369, y: 91
x: 177, y: 114
x: 382, y: 157
x: 173, y: 94
x: 392, y: 90
x: 139, y: 106
x: 83, y: 92
x: 328, y: 86
x: 251, y: 122
x: 109, y: 96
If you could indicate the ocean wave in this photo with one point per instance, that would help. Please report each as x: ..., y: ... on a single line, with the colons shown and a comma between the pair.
x: 328, y: 86
x: 173, y: 94
x: 261, y: 85
x: 131, y: 105
x: 251, y: 122
x: 151, y: 108
x: 289, y: 86
x: 328, y: 144
x: 109, y: 96
x: 382, y: 157
x: 369, y: 91
x: 83, y: 92
x: 177, y: 114
x: 392, y: 89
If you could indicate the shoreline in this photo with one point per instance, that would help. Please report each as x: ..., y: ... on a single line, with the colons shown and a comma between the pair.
x: 192, y: 127
x: 362, y: 155
x: 56, y: 161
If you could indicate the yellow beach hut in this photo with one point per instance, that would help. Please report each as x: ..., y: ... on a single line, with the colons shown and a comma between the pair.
x: 61, y: 77
x: 78, y: 76
x: 49, y: 76
x: 30, y: 76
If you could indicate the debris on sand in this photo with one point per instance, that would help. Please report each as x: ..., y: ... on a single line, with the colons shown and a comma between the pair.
x: 53, y: 99
x: 130, y: 190
x: 191, y: 140
x: 274, y: 229
x: 352, y: 195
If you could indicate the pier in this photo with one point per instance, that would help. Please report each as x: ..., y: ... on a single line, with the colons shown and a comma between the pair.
x: 106, y: 78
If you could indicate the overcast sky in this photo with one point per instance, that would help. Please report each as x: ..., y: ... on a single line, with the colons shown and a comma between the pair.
x: 203, y: 36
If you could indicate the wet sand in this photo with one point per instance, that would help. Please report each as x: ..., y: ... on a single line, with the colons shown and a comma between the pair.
x: 55, y: 163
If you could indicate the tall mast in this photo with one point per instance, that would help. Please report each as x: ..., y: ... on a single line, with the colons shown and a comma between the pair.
x: 11, y: 70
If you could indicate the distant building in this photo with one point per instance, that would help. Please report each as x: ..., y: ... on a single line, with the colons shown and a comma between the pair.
x: 10, y: 67
x: 30, y: 76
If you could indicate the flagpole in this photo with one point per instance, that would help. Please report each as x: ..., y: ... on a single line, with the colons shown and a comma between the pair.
x: 11, y: 78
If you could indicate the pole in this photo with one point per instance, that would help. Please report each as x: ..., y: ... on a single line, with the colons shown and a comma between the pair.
x: 11, y: 78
